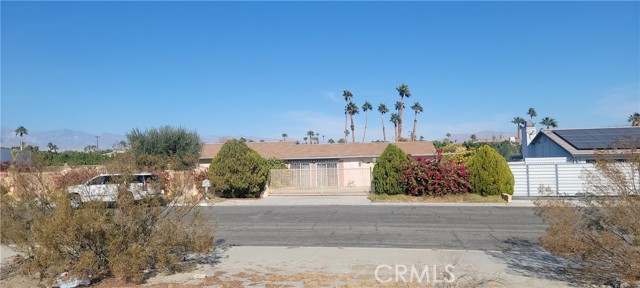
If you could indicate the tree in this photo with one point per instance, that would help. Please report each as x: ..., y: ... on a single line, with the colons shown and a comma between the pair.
x: 473, y: 138
x: 383, y: 109
x: 317, y: 138
x: 284, y: 137
x: 353, y: 109
x: 310, y: 134
x: 416, y: 109
x: 331, y: 141
x: 365, y: 107
x: 90, y: 148
x: 403, y: 91
x: 532, y: 113
x: 52, y: 147
x: 305, y: 139
x: 634, y: 119
x: 549, y: 122
x: 518, y: 121
x: 170, y: 145
x: 490, y: 173
x: 448, y: 140
x: 21, y: 131
x: 341, y: 140
x: 387, y: 171
x: 238, y: 171
x: 395, y: 119
x: 347, y: 98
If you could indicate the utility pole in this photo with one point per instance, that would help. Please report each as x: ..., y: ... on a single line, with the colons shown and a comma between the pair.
x: 97, y: 147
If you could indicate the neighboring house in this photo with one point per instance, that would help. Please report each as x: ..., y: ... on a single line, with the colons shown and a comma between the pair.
x: 576, y: 145
x: 332, y: 169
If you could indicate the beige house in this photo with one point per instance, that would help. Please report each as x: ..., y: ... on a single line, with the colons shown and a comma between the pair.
x: 322, y: 169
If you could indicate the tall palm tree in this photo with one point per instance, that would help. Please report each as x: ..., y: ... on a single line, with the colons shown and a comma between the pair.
x: 518, y: 121
x: 317, y: 138
x: 549, y: 122
x: 448, y: 140
x: 347, y: 98
x: 532, y: 113
x: 284, y: 137
x: 366, y: 107
x: 403, y: 91
x: 634, y: 119
x: 395, y: 119
x: 52, y: 147
x: 416, y: 109
x: 21, y: 131
x: 383, y: 109
x: 353, y: 109
x: 399, y: 106
x: 310, y: 134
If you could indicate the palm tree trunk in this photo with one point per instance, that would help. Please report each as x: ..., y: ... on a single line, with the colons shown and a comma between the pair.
x: 353, y: 132
x: 346, y: 108
x: 384, y: 133
x: 415, y: 122
x: 395, y: 132
x: 518, y: 135
x: 366, y: 121
x: 400, y: 122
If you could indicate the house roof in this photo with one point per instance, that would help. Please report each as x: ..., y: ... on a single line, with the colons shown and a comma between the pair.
x: 293, y: 151
x: 587, y: 141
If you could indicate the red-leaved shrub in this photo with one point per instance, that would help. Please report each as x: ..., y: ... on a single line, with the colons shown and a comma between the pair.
x: 435, y: 177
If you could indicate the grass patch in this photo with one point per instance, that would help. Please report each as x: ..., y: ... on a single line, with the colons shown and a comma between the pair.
x: 464, y: 198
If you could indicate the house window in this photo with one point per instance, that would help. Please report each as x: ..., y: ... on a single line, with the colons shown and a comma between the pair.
x: 327, y: 173
x: 300, y: 174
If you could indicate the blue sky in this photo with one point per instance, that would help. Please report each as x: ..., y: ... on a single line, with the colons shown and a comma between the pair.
x: 267, y: 68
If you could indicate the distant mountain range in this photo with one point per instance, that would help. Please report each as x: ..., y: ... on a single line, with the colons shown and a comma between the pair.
x: 67, y: 139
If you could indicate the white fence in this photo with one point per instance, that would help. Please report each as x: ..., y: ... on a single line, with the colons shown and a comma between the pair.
x: 320, y: 181
x: 562, y: 179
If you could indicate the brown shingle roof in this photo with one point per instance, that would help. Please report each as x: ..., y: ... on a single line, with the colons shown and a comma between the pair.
x: 291, y: 150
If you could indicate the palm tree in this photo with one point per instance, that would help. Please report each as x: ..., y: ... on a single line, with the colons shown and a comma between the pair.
x: 448, y: 140
x: 473, y: 138
x: 395, y: 119
x: 347, y: 98
x: 383, y: 109
x: 284, y: 137
x: 416, y: 109
x: 634, y: 119
x: 317, y: 138
x: 532, y: 113
x: 310, y: 134
x: 21, y: 131
x: 518, y: 121
x: 366, y: 107
x: 353, y: 109
x: 52, y: 147
x: 403, y: 91
x: 305, y: 139
x: 549, y: 122
x: 399, y: 106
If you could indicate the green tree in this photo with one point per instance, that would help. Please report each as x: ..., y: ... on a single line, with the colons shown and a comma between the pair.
x: 383, y: 109
x: 634, y: 119
x: 52, y: 147
x: 448, y: 139
x: 387, y: 171
x: 395, y: 119
x: 353, y: 109
x: 403, y: 91
x: 238, y: 171
x: 366, y: 107
x: 347, y: 98
x: 532, y: 113
x: 331, y: 141
x: 284, y: 137
x: 416, y: 109
x: 549, y: 122
x: 310, y: 134
x: 341, y: 140
x: 519, y: 122
x: 21, y: 131
x: 179, y: 146
x: 473, y: 138
x: 490, y: 173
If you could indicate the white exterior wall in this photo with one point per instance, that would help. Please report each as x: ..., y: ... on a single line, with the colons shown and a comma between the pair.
x: 563, y: 179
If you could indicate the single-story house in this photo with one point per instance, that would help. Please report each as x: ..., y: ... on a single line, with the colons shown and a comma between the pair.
x: 576, y: 145
x: 337, y: 167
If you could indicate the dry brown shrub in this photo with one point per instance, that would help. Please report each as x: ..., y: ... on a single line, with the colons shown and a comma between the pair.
x: 126, y: 240
x: 599, y: 232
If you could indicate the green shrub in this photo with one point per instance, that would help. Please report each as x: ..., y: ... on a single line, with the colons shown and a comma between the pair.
x: 387, y: 171
x: 238, y: 171
x: 165, y: 145
x: 490, y: 173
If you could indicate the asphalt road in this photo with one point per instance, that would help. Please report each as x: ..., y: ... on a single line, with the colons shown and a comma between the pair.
x: 455, y: 227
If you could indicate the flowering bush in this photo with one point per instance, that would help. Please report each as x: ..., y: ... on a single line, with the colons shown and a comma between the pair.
x: 434, y: 176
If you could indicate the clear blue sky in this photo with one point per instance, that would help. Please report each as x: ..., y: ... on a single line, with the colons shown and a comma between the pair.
x: 267, y: 68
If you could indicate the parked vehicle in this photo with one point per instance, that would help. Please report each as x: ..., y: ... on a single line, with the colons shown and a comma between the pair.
x: 104, y: 188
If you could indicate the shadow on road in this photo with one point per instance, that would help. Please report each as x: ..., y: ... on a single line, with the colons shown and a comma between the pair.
x: 526, y: 258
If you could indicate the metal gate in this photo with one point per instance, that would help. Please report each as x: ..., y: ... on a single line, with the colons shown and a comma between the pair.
x: 324, y: 178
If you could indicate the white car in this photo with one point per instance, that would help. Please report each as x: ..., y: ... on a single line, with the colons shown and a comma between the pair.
x: 104, y: 188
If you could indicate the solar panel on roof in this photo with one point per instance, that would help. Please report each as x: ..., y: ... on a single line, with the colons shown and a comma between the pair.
x: 600, y: 138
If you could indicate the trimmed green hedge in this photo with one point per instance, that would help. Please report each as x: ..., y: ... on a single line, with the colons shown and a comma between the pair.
x: 238, y: 171
x: 490, y: 173
x: 387, y: 171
